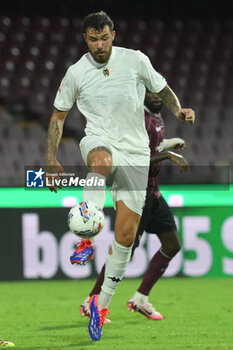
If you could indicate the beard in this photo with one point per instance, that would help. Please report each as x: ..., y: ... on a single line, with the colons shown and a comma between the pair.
x: 102, y: 56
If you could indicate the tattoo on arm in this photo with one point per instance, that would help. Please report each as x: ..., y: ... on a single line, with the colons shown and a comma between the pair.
x: 170, y: 99
x: 53, y: 138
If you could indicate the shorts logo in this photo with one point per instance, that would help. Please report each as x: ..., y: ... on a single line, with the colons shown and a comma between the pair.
x: 106, y: 72
x: 35, y: 178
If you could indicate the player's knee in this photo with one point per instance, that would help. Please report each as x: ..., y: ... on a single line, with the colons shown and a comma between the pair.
x: 126, y: 237
x: 172, y: 247
x: 126, y: 240
x: 100, y: 163
x: 175, y: 248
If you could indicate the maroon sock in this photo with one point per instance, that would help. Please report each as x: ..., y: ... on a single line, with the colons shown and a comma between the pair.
x: 97, y: 287
x: 156, y: 268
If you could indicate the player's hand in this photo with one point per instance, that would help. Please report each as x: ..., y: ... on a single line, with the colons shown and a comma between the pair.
x: 52, y: 175
x: 186, y: 115
x: 180, y: 146
x: 179, y: 160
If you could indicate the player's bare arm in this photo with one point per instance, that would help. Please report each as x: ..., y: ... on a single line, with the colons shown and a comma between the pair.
x: 156, y: 158
x: 172, y: 102
x: 170, y: 99
x: 173, y: 157
x: 54, y: 135
x: 178, y: 160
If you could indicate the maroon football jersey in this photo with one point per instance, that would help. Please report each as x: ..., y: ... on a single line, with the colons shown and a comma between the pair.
x: 155, y: 129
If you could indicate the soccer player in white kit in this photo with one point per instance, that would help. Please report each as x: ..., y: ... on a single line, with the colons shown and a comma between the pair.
x: 108, y: 84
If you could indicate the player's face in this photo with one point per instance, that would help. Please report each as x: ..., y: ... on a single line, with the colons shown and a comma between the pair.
x: 153, y: 102
x: 99, y: 43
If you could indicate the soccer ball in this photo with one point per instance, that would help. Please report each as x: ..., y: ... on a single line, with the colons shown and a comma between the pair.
x: 85, y: 219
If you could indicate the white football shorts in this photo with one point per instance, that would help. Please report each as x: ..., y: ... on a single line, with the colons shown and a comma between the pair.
x: 130, y: 172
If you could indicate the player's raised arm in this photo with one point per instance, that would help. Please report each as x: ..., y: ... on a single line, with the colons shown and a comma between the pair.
x: 54, y: 135
x: 172, y: 102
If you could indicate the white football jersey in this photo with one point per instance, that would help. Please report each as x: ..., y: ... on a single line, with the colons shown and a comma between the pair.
x: 111, y: 96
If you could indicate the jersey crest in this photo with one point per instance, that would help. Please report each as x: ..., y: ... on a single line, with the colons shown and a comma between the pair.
x: 106, y: 72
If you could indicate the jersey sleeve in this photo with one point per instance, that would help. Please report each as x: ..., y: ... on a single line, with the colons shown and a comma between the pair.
x: 67, y: 92
x: 154, y: 81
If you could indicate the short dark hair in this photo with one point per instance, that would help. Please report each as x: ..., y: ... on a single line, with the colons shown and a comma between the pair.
x: 97, y: 21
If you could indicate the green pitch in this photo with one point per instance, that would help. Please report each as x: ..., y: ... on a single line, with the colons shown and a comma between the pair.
x: 45, y: 315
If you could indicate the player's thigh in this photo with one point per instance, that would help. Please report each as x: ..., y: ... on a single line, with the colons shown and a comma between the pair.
x: 161, y: 222
x: 159, y: 216
x: 130, y: 180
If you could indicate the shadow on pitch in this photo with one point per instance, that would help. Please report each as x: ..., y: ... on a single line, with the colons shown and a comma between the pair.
x: 62, y: 327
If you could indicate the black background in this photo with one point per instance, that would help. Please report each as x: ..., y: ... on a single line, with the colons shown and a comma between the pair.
x: 124, y: 9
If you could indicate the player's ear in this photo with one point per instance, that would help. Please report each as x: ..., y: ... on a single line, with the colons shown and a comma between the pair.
x: 84, y: 37
x: 113, y: 35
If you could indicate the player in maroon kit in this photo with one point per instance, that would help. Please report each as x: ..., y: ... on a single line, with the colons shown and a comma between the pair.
x: 157, y: 217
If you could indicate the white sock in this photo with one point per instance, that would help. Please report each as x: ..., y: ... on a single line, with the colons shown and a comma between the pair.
x: 95, y: 189
x: 104, y: 299
x: 115, y: 268
x: 141, y: 298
